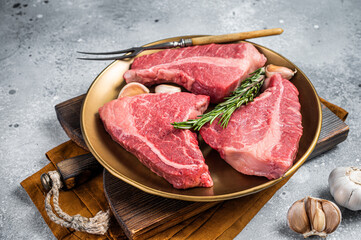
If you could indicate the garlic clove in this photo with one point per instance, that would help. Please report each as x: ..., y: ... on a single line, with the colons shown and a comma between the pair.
x: 319, y: 221
x: 285, y: 72
x: 340, y: 172
x: 132, y: 89
x: 355, y: 200
x: 315, y: 213
x: 297, y: 217
x: 165, y: 88
x: 333, y: 217
x: 335, y: 174
x: 342, y: 192
x: 336, y: 183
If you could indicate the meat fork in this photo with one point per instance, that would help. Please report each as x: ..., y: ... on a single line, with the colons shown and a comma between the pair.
x: 134, y: 51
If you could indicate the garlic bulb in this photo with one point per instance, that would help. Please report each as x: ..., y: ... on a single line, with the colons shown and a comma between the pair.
x: 345, y: 187
x: 285, y: 72
x: 164, y: 88
x: 132, y: 89
x: 313, y: 216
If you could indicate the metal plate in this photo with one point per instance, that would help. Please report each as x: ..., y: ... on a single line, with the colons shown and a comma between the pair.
x: 228, y: 183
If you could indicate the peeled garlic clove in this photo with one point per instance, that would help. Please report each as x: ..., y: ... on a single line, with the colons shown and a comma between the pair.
x: 297, y: 218
x: 132, y: 89
x: 164, y: 88
x: 345, y: 187
x: 316, y: 215
x: 285, y: 72
x: 313, y: 216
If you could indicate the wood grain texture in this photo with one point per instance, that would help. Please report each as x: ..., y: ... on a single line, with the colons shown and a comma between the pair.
x: 68, y: 114
x: 142, y: 215
x: 333, y: 132
x: 338, y: 111
x: 232, y: 37
x: 74, y: 171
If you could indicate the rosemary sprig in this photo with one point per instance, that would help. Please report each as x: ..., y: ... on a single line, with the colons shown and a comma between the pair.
x: 244, y: 94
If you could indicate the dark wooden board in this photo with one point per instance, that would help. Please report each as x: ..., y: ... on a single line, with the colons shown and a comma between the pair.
x: 142, y: 215
x: 333, y: 132
x: 68, y: 114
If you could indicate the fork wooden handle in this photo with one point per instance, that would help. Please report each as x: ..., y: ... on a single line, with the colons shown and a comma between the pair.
x: 236, y: 36
x: 73, y: 171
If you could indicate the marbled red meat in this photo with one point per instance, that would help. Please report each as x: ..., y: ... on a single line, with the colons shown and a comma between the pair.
x: 262, y: 137
x: 142, y: 125
x: 214, y: 70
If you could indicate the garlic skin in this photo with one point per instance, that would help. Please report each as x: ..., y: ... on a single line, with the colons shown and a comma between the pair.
x: 165, y: 88
x: 285, y: 72
x: 132, y: 89
x: 313, y: 216
x: 299, y: 224
x: 345, y: 187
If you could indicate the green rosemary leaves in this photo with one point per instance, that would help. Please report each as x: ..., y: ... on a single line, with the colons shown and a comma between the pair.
x: 245, y: 93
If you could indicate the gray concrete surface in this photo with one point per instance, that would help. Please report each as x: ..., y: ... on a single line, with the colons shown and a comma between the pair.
x: 38, y: 69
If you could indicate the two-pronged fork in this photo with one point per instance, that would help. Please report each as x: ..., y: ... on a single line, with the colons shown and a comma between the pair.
x: 134, y: 51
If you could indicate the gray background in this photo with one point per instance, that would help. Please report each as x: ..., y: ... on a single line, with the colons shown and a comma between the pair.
x: 38, y: 69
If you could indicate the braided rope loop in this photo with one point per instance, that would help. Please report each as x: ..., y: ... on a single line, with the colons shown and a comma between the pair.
x: 98, y: 224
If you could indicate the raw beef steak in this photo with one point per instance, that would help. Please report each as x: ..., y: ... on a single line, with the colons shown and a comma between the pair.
x: 262, y: 137
x: 142, y: 125
x: 214, y: 70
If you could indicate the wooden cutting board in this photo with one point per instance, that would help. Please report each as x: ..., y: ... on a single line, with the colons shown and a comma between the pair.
x: 143, y: 215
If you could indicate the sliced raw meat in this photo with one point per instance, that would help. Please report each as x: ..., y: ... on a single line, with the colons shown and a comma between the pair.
x: 262, y: 137
x: 214, y: 70
x: 142, y: 125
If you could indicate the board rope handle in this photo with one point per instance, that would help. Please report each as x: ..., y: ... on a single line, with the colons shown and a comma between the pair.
x: 98, y: 224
